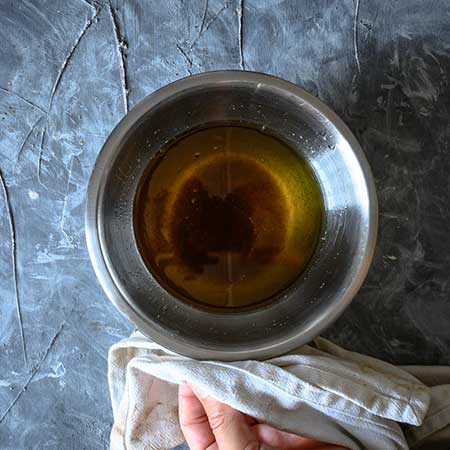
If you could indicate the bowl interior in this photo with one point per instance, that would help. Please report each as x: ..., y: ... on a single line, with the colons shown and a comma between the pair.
x: 344, y: 252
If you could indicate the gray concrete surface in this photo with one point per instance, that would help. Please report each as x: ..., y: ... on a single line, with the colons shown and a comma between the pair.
x: 68, y: 72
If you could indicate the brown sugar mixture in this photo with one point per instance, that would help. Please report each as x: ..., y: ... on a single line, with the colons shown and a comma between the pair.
x: 227, y: 216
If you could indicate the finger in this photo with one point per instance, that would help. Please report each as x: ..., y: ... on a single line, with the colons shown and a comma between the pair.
x: 275, y: 438
x: 249, y: 419
x: 228, y: 425
x: 272, y: 437
x: 193, y: 420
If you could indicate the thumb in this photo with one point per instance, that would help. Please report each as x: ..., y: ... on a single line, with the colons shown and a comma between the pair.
x: 228, y: 425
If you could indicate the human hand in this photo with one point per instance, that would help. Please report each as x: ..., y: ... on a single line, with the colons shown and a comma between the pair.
x: 210, y: 425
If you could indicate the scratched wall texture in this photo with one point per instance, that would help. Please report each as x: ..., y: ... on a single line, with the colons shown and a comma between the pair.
x: 68, y: 72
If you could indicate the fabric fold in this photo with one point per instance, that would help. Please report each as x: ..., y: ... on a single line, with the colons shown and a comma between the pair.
x: 319, y: 391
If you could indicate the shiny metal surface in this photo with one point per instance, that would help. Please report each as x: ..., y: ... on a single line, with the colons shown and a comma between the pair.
x: 341, y: 261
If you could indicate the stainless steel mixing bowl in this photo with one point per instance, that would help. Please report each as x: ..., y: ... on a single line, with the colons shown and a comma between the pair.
x: 341, y: 261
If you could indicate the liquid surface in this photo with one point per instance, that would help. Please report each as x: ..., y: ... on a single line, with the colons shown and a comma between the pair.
x: 227, y: 216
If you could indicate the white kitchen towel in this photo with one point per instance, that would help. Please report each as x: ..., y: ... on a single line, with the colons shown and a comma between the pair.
x: 319, y: 391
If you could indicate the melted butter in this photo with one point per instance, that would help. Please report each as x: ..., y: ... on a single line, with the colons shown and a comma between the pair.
x: 227, y: 216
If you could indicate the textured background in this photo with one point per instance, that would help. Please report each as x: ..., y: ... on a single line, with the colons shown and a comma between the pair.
x: 68, y: 72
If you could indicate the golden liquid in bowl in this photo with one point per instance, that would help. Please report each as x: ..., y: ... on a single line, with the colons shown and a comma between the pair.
x: 227, y: 216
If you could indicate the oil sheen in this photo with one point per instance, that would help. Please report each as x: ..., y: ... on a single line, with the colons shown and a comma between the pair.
x: 227, y: 217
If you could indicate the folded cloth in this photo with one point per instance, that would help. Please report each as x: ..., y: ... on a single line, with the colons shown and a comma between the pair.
x: 319, y: 391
